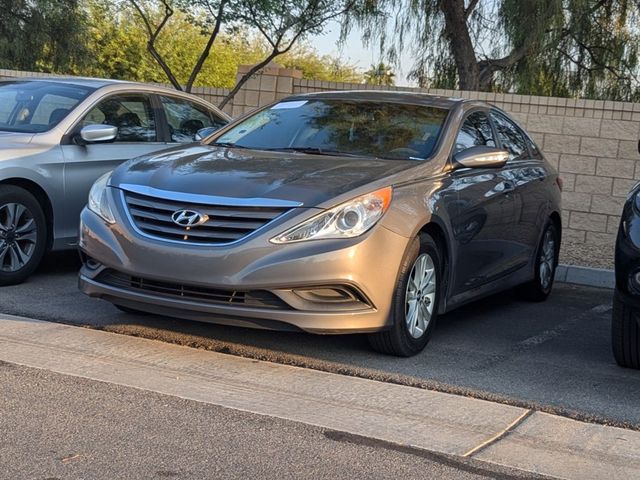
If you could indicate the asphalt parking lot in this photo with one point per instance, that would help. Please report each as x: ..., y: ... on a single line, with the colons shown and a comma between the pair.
x: 554, y: 356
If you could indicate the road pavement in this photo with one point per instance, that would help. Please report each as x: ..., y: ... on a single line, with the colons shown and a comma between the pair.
x: 554, y: 356
x: 62, y: 427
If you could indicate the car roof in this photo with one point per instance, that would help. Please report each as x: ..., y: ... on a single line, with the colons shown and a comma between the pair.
x: 416, y: 98
x: 80, y: 81
x: 89, y: 82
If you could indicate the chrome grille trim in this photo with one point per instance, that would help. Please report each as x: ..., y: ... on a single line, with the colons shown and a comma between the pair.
x: 206, y: 199
x: 216, y: 296
x: 227, y: 224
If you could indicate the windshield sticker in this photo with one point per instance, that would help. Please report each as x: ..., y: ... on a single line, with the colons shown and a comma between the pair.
x: 283, y: 105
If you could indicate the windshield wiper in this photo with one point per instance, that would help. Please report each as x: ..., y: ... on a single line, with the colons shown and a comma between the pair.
x: 316, y: 151
x: 225, y: 144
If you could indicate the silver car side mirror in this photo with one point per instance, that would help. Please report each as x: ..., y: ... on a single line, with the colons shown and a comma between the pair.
x: 98, y: 133
x: 481, y: 157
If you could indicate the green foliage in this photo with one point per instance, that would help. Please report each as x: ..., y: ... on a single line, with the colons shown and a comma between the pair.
x: 380, y: 74
x: 586, y: 48
x: 118, y: 46
x: 319, y: 67
x: 42, y: 35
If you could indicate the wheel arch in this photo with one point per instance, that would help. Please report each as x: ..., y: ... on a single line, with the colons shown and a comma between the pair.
x: 437, y: 231
x: 41, y: 196
x: 557, y: 220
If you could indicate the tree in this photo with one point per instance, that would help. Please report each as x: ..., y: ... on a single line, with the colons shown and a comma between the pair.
x: 43, y: 35
x: 117, y: 44
x: 553, y: 47
x: 314, y: 66
x: 283, y: 23
x: 280, y: 23
x: 380, y: 74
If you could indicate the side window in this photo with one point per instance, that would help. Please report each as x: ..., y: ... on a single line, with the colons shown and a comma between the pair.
x: 185, y: 118
x: 476, y: 130
x: 510, y: 136
x: 131, y: 113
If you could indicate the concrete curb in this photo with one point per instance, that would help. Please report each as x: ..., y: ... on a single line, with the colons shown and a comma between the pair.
x: 587, y: 276
x: 403, y: 416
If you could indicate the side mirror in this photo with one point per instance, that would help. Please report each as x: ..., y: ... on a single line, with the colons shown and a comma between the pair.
x: 98, y: 133
x: 204, y: 133
x: 482, y: 157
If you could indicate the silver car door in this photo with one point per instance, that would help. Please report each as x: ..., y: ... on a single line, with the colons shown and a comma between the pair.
x: 136, y: 119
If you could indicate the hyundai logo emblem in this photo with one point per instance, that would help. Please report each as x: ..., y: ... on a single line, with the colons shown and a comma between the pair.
x: 188, y: 218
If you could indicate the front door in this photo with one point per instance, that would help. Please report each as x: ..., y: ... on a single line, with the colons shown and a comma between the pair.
x: 485, y: 213
x: 134, y: 116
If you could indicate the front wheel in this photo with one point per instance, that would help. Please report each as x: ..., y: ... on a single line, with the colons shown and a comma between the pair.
x: 415, y: 302
x: 23, y: 234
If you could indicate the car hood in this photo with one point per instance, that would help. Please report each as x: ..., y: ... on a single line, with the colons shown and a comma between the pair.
x: 247, y: 174
x: 14, y: 139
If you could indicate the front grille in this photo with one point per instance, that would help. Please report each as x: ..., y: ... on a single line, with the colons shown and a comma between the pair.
x: 217, y: 296
x: 225, y: 224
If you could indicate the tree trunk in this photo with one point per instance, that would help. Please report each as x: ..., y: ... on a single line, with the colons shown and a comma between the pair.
x: 461, y: 45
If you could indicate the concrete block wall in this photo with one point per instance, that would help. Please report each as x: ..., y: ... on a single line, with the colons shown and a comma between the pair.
x: 272, y: 83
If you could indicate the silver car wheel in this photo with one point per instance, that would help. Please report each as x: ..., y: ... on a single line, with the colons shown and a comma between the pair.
x: 420, y: 295
x: 547, y: 259
x: 18, y: 236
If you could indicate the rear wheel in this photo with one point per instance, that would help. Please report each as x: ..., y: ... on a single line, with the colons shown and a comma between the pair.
x: 625, y: 334
x: 538, y: 289
x: 23, y: 234
x: 415, y: 302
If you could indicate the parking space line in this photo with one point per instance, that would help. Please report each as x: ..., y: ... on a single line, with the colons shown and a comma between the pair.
x: 536, y: 340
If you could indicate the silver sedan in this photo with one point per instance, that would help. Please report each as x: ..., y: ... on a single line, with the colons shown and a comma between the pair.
x: 57, y: 136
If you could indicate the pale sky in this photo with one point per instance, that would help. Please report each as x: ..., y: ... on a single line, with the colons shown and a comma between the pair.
x: 354, y: 52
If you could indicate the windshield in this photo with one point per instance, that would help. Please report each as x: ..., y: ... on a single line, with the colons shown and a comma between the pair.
x: 32, y: 107
x: 365, y: 128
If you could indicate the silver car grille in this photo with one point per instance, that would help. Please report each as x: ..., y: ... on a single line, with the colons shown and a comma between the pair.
x: 225, y: 224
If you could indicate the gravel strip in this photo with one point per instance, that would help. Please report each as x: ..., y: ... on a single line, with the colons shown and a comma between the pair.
x: 584, y: 255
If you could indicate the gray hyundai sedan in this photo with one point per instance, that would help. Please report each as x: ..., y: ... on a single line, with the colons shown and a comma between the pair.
x: 340, y: 212
x: 57, y: 136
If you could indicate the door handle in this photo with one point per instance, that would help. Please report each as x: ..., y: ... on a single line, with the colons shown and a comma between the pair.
x: 509, y: 187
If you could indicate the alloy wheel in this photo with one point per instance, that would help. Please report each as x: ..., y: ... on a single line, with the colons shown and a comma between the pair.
x: 18, y: 236
x: 420, y: 295
x: 547, y: 259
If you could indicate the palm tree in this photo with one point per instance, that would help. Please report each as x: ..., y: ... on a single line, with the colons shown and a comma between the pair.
x: 380, y: 74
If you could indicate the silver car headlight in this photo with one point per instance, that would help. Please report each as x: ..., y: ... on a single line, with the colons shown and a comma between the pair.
x: 347, y: 220
x: 98, y: 201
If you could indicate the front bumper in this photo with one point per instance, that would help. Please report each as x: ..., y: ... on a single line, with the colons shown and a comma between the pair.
x: 367, y: 266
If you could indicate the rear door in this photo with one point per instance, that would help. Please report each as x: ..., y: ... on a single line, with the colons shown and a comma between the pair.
x: 525, y: 173
x: 136, y: 118
x: 485, y: 212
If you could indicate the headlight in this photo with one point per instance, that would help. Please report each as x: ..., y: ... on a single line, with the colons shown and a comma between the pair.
x: 348, y: 220
x: 98, y: 201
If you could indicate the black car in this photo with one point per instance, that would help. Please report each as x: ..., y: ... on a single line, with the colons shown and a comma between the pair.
x: 625, y: 326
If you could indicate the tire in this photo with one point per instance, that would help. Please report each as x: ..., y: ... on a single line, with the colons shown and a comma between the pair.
x: 538, y: 289
x: 625, y: 334
x: 23, y: 234
x: 400, y: 340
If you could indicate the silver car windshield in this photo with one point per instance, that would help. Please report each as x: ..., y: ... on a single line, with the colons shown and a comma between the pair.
x: 36, y: 106
x: 342, y: 127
